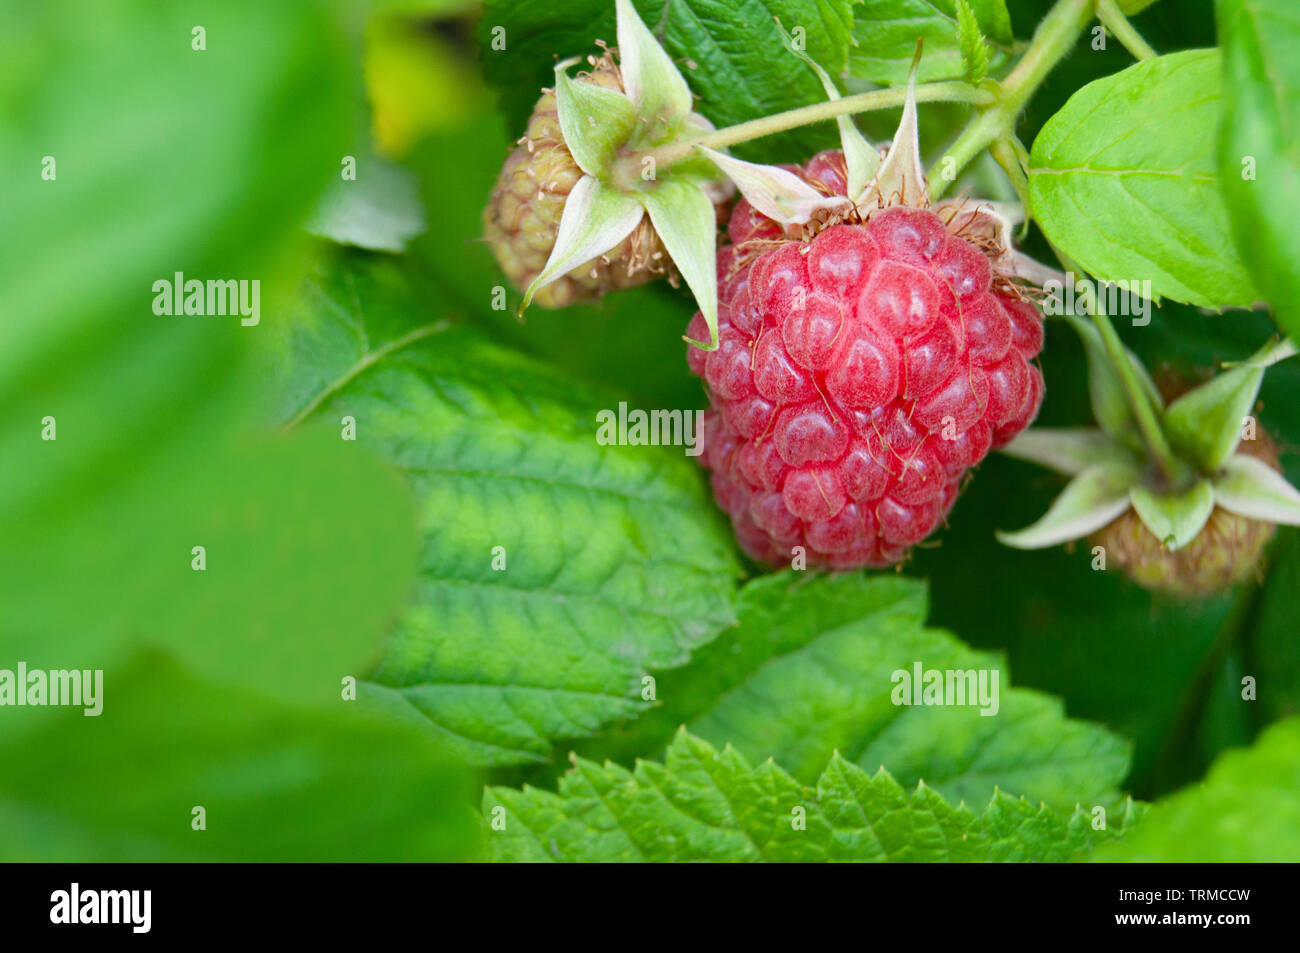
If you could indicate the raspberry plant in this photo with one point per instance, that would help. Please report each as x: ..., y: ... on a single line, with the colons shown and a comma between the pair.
x: 872, y: 243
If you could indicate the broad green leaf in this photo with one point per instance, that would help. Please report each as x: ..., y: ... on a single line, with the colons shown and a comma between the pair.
x: 1258, y: 158
x: 276, y: 781
x: 731, y: 54
x: 703, y: 804
x: 688, y: 226
x: 1174, y: 518
x: 380, y: 209
x: 1069, y: 451
x: 811, y: 670
x: 1123, y: 181
x: 611, y: 560
x: 595, y: 218
x: 595, y: 120
x: 886, y: 32
x: 1250, y: 487
x: 1247, y: 809
x: 1206, y: 423
x: 1092, y: 499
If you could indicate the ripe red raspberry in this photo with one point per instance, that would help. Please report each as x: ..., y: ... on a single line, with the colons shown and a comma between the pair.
x: 859, y: 374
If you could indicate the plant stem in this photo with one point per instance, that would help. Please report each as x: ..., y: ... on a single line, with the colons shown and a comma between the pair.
x: 805, y: 115
x: 1113, y: 19
x: 1171, y: 468
x: 1006, y: 155
x: 1054, y: 38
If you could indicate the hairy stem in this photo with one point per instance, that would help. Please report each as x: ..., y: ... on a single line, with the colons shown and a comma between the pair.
x: 806, y: 115
x: 1113, y: 19
x: 1171, y: 468
x: 1004, y: 151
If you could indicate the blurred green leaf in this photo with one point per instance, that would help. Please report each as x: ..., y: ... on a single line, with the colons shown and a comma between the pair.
x: 1247, y: 809
x: 612, y: 560
x: 809, y: 671
x: 1259, y: 163
x: 152, y: 456
x: 1123, y: 181
x: 167, y: 159
x: 1273, y: 652
x: 379, y: 210
x: 708, y: 805
x: 276, y: 781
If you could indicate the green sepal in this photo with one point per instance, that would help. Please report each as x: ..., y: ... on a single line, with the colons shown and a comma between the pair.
x: 1069, y: 451
x: 687, y: 225
x: 1092, y: 499
x: 861, y: 158
x: 1205, y: 424
x: 595, y: 121
x: 653, y: 83
x: 1174, y: 518
x: 594, y: 220
x: 1251, y: 488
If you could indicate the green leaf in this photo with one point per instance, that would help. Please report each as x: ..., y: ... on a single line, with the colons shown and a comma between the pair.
x: 1069, y: 451
x: 708, y: 805
x: 1206, y: 423
x: 1174, y: 518
x: 615, y: 559
x: 1258, y: 160
x: 1250, y: 487
x: 731, y: 54
x: 1092, y: 499
x: 811, y: 669
x: 276, y: 781
x: 1248, y: 809
x: 885, y: 34
x: 974, y: 54
x: 595, y: 218
x: 688, y: 226
x: 380, y: 209
x: 1123, y: 181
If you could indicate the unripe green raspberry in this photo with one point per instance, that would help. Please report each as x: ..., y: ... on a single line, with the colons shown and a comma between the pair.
x: 1227, y: 551
x: 523, y: 215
